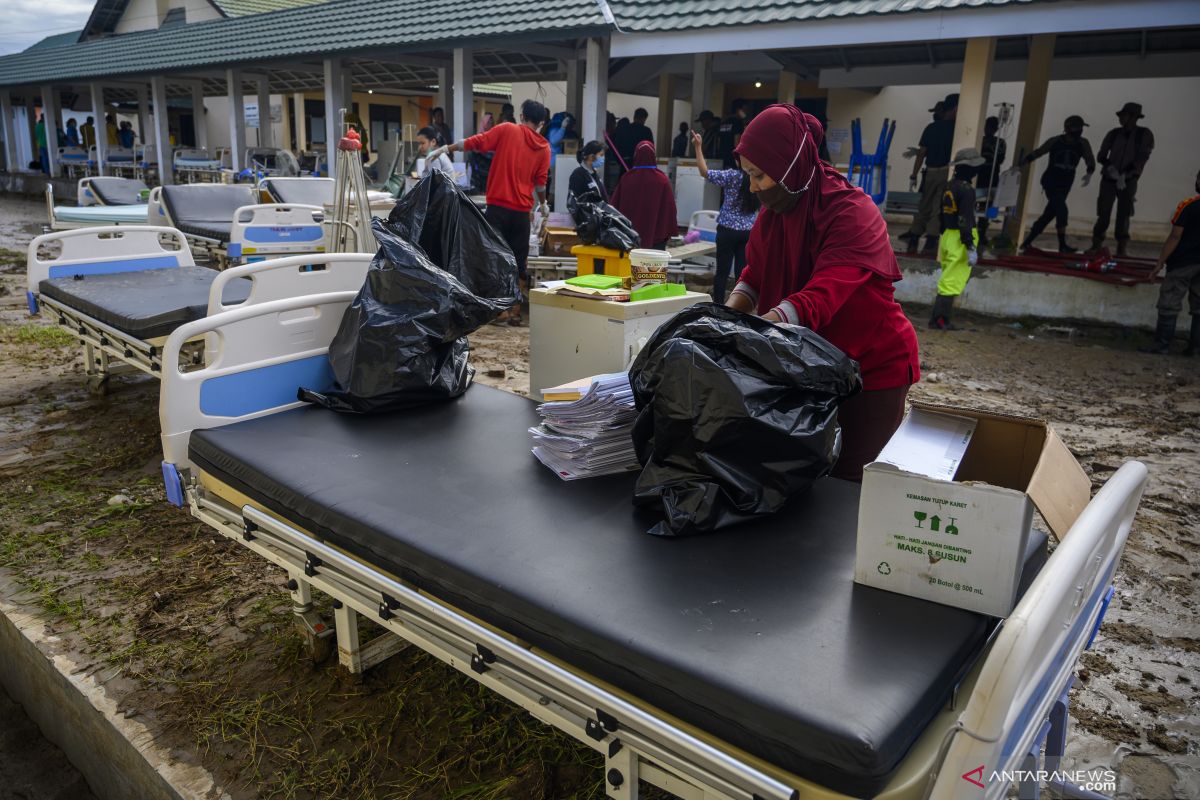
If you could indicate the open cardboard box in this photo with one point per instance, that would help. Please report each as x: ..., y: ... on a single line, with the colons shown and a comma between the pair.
x: 961, y: 542
x: 559, y: 241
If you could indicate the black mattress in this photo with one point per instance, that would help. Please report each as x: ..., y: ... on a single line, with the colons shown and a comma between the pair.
x: 206, y: 209
x: 756, y: 634
x: 118, y: 191
x: 301, y: 191
x: 144, y: 304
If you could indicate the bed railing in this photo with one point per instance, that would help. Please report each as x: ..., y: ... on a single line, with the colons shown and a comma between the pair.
x: 282, y: 278
x: 275, y: 229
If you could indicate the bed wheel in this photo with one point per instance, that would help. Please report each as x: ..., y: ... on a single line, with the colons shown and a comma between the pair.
x: 318, y: 636
x: 97, y: 385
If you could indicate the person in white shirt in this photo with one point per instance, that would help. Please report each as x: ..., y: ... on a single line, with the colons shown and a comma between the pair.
x: 429, y: 139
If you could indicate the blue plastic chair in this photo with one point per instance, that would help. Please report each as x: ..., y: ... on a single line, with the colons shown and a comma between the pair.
x: 863, y: 165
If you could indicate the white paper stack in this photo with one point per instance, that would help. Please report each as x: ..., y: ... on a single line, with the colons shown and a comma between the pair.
x: 588, y: 436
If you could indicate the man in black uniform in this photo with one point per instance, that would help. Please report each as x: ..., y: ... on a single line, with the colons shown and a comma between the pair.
x: 934, y: 154
x: 1123, y: 154
x: 709, y: 134
x: 731, y: 131
x: 1065, y: 151
x: 639, y: 131
x: 994, y: 152
x: 680, y: 143
x: 958, y: 249
x: 1181, y: 258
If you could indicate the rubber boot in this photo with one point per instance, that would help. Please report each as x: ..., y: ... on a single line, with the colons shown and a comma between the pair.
x: 1122, y: 247
x: 1034, y: 231
x: 1164, y: 334
x: 931, y: 245
x: 913, y: 242
x: 1063, y: 247
x: 939, y: 319
x: 1193, y: 347
x: 1097, y: 245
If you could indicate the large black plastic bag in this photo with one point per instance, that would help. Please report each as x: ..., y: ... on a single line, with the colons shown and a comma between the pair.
x: 736, y: 415
x: 598, y: 223
x: 402, y: 341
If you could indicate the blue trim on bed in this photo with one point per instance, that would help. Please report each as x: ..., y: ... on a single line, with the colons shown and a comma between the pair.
x: 239, y: 393
x: 173, y: 484
x: 113, y: 267
x: 31, y: 299
x: 280, y: 233
x: 234, y: 250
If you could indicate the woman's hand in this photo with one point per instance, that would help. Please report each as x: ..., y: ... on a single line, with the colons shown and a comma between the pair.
x: 772, y: 316
x: 697, y: 141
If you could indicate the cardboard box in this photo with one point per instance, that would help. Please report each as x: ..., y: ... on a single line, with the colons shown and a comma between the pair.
x: 559, y: 241
x: 960, y: 541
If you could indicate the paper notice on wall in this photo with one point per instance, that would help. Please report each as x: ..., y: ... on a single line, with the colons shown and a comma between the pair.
x: 930, y: 444
x: 835, y: 140
x: 1008, y: 188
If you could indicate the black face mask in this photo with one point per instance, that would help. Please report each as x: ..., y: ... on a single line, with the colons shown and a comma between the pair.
x: 778, y: 199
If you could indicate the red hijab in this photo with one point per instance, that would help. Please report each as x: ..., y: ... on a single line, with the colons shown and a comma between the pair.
x: 834, y: 224
x: 644, y: 196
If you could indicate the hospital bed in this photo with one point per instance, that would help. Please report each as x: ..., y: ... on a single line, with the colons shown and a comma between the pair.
x: 98, y: 214
x: 195, y: 165
x: 124, y: 290
x: 111, y: 191
x: 145, y: 162
x: 120, y: 161
x: 74, y: 161
x: 744, y: 664
x: 224, y: 223
x: 318, y: 192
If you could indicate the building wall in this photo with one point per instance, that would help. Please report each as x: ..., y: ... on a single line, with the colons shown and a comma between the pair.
x: 554, y: 95
x: 141, y: 15
x: 1170, y: 114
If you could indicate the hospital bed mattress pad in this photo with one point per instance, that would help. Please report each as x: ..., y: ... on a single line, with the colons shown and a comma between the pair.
x: 103, y: 215
x: 219, y: 231
x: 307, y: 191
x: 144, y: 304
x: 206, y: 210
x: 119, y: 191
x: 756, y: 634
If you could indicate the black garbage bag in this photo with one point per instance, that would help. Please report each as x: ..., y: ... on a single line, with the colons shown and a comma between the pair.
x: 736, y: 415
x: 598, y: 223
x: 402, y: 341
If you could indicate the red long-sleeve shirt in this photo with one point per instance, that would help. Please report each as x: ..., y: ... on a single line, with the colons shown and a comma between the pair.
x: 521, y: 163
x: 856, y: 311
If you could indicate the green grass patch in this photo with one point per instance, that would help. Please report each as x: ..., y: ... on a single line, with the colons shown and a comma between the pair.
x: 33, y: 334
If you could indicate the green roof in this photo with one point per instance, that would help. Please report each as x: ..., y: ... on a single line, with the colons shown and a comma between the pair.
x: 341, y: 26
x: 57, y: 40
x: 243, y: 8
x: 646, y: 16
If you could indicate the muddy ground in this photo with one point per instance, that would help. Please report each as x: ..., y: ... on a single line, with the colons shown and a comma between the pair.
x: 192, y: 634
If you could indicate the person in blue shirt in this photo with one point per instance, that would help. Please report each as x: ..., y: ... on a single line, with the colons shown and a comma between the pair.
x: 739, y: 209
x: 72, y: 133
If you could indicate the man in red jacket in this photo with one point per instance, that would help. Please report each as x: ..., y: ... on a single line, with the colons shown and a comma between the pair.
x: 520, y: 167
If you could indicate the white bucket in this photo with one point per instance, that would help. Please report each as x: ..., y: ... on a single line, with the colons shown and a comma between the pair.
x: 648, y: 267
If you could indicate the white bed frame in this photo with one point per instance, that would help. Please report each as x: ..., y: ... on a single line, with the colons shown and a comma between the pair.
x: 108, y: 351
x: 194, y: 165
x: 1001, y: 713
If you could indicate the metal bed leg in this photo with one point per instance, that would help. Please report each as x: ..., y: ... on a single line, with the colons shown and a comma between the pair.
x: 317, y: 635
x: 97, y: 369
x: 352, y: 654
x: 621, y: 772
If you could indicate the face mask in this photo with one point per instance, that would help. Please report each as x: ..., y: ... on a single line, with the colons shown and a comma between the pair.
x: 598, y: 163
x: 779, y: 198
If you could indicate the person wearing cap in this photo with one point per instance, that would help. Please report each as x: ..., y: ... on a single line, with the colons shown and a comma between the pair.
x: 730, y: 131
x: 1180, y: 260
x: 933, y: 153
x: 819, y: 256
x: 1123, y: 154
x: 958, y: 247
x: 994, y: 152
x: 710, y: 133
x: 1065, y: 152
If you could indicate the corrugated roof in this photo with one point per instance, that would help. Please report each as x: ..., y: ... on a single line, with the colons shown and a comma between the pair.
x: 339, y: 26
x: 646, y: 16
x: 57, y: 40
x: 243, y: 8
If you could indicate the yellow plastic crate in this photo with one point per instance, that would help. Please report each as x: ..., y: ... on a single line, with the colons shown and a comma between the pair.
x: 592, y: 260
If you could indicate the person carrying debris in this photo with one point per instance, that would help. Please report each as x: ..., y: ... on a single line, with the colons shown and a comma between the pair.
x: 520, y: 168
x: 1065, y: 151
x: 1180, y: 259
x: 934, y: 154
x: 1123, y: 154
x: 958, y: 248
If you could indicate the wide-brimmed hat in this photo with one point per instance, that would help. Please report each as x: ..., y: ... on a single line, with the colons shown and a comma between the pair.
x: 1132, y: 108
x: 705, y: 114
x: 969, y: 156
x: 938, y: 106
x: 1074, y: 121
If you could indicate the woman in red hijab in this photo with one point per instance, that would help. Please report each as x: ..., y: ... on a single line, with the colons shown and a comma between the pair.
x: 644, y: 196
x: 819, y: 256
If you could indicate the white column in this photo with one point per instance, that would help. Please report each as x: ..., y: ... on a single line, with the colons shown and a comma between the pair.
x: 787, y: 87
x: 595, y: 89
x: 973, y: 92
x: 143, y: 114
x: 101, y: 141
x: 664, y: 133
x: 7, y: 131
x: 301, y: 121
x: 162, y: 134
x: 237, y: 118
x: 442, y: 98
x: 266, y: 136
x: 574, y: 88
x: 1029, y: 128
x: 702, y: 84
x: 464, y: 95
x: 199, y: 118
x: 335, y: 86
x: 50, y: 118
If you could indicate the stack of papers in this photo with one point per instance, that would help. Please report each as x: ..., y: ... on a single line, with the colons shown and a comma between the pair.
x: 587, y: 432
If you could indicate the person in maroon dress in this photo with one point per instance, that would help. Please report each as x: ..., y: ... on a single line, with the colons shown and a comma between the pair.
x: 819, y: 256
x: 645, y: 197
